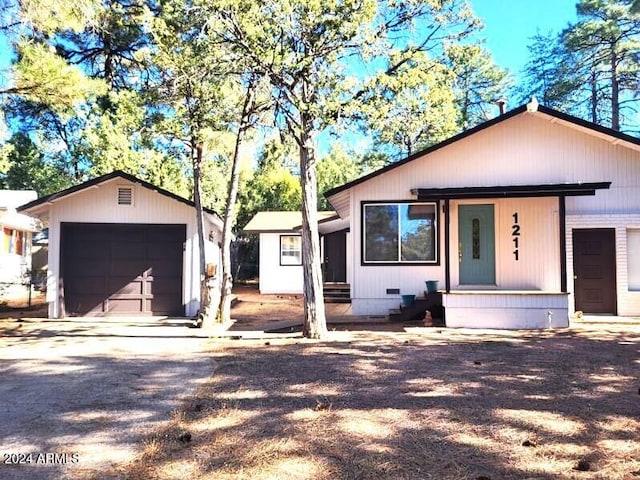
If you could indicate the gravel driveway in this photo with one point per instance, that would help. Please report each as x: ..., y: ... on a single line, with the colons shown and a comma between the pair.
x: 78, y: 395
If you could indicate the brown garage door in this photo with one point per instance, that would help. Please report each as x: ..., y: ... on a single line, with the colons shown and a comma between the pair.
x: 122, y: 269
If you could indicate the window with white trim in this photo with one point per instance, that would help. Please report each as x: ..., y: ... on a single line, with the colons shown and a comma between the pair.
x: 633, y: 259
x: 290, y: 250
x: 399, y: 233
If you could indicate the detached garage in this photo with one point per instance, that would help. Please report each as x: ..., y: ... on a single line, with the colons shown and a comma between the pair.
x: 121, y: 246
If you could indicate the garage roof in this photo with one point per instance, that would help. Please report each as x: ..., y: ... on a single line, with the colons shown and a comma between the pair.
x: 105, y: 178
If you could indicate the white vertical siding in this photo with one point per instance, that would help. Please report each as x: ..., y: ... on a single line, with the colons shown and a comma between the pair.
x: 527, y: 149
x: 537, y: 267
x: 538, y: 264
x: 276, y: 278
x: 523, y: 150
x: 98, y: 204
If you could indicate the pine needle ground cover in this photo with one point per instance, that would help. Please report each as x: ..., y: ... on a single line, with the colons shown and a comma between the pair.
x: 426, y: 404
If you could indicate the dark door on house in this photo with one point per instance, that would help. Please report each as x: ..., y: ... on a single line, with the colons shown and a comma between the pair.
x: 122, y: 269
x: 477, y: 251
x: 335, y: 257
x: 594, y: 270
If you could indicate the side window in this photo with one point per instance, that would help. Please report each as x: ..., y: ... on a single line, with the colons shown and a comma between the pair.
x: 290, y: 250
x: 633, y: 259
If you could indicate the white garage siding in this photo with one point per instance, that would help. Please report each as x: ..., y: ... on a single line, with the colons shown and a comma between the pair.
x: 98, y: 203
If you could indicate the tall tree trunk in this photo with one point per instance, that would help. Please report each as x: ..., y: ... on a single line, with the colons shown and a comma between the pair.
x: 204, y: 314
x: 594, y: 96
x: 615, y: 91
x: 315, y: 322
x: 224, y: 309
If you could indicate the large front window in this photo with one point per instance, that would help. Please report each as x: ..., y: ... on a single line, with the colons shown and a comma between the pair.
x: 403, y: 233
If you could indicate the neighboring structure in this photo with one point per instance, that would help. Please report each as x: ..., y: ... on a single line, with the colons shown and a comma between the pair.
x: 15, y: 243
x: 523, y: 220
x: 119, y: 245
x: 280, y: 265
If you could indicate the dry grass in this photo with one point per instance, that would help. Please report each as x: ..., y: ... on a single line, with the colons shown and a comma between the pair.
x: 431, y: 404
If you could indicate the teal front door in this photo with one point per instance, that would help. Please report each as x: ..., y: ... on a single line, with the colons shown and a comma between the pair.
x: 477, y: 246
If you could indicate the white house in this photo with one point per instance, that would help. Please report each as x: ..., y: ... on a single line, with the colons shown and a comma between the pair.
x: 280, y: 263
x: 523, y: 220
x: 121, y: 246
x: 15, y: 241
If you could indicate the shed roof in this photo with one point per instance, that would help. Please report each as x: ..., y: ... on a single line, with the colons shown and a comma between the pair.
x: 272, y: 222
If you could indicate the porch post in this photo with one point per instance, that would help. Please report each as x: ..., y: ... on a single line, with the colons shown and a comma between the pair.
x: 447, y: 248
x: 562, y: 215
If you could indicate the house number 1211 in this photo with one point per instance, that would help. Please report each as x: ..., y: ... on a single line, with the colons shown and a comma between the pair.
x: 515, y: 233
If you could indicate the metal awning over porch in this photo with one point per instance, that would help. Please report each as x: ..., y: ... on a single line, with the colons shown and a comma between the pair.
x: 559, y: 190
x: 510, y: 191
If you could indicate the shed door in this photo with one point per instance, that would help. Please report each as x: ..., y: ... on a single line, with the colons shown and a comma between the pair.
x: 594, y: 269
x: 122, y: 269
x: 477, y: 251
x: 335, y: 257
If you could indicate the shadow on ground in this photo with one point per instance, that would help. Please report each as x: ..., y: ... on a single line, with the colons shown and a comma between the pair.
x: 82, y: 395
x: 439, y: 404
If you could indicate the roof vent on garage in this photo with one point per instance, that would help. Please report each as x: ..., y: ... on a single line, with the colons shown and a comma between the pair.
x: 125, y: 196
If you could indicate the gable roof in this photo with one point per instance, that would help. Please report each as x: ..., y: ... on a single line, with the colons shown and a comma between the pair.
x: 532, y: 107
x: 105, y: 178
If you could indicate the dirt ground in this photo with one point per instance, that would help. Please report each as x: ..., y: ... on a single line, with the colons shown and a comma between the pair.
x: 21, y: 306
x: 420, y: 403
x: 250, y: 305
x: 89, y: 391
x: 424, y: 404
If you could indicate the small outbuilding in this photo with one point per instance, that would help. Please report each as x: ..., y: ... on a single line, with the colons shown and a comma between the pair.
x: 121, y: 246
x: 280, y: 264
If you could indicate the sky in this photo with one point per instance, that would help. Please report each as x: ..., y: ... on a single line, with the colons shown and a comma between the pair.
x: 509, y: 25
